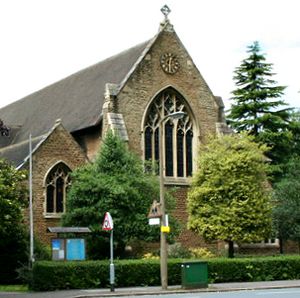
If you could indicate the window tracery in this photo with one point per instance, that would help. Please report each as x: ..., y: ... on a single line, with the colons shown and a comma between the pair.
x: 57, y: 182
x: 177, y: 134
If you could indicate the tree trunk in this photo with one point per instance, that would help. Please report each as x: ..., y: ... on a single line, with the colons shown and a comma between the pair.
x: 230, y: 249
x: 281, y: 246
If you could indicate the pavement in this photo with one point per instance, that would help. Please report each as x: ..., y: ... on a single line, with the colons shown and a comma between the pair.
x: 155, y: 291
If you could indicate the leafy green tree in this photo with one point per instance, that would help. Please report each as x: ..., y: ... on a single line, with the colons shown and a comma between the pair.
x: 257, y: 107
x: 285, y: 144
x: 116, y: 182
x: 230, y: 199
x: 13, y: 237
x: 286, y: 211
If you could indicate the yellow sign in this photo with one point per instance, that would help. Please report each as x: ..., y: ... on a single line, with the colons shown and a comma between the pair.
x: 165, y: 229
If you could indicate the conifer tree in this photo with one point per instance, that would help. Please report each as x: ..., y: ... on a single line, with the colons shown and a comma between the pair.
x: 256, y: 103
x: 258, y: 109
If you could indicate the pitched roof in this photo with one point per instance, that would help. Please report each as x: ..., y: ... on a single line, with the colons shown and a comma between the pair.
x: 77, y: 100
x: 17, y: 153
x: 7, y: 140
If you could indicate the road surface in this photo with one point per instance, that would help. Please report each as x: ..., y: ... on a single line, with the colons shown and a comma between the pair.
x: 270, y: 293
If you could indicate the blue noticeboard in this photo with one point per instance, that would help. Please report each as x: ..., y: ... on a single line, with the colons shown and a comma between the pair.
x: 56, y: 244
x: 75, y: 249
x: 58, y: 249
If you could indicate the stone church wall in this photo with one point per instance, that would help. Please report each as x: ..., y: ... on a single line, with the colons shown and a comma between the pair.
x: 89, y: 140
x: 144, y: 84
x: 59, y: 146
x: 149, y: 79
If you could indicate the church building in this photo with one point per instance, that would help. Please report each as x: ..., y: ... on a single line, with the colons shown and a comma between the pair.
x: 129, y: 93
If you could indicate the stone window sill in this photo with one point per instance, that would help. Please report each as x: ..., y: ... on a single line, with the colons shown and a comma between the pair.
x: 53, y: 215
x: 177, y: 181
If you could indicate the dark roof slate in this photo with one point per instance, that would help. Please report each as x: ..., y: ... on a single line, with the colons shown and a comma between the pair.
x: 77, y: 100
x: 7, y: 140
x: 16, y: 154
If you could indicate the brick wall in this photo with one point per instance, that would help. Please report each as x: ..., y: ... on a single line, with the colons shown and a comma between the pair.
x: 188, y: 238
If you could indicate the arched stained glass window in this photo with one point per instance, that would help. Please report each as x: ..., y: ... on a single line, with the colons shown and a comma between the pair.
x: 50, y: 195
x: 189, y: 153
x: 148, y: 147
x: 180, y: 152
x: 156, y: 144
x: 57, y: 183
x: 177, y: 139
x: 169, y: 148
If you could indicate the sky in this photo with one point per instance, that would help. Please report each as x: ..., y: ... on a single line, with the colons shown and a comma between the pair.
x: 44, y: 41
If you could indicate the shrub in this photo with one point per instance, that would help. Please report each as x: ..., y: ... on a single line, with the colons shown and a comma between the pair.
x: 176, y: 250
x: 41, y: 252
x: 50, y: 275
x: 254, y: 269
x: 201, y: 253
x: 13, y: 253
x: 151, y: 256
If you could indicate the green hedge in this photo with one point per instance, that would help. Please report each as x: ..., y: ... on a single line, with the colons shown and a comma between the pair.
x: 254, y: 269
x: 50, y: 275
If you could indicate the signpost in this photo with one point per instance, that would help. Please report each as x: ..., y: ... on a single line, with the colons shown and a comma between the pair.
x: 108, y: 225
x: 154, y: 213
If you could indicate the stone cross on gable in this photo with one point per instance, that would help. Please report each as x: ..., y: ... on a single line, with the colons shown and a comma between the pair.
x: 166, y: 11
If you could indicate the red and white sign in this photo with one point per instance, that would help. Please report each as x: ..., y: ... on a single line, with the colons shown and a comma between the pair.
x: 108, y: 224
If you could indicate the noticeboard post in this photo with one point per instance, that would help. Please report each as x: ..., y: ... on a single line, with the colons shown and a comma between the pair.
x: 108, y: 225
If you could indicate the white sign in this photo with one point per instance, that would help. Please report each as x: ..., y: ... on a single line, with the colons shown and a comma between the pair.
x: 108, y: 224
x: 154, y: 221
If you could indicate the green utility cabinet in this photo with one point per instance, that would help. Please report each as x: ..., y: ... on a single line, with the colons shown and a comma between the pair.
x: 194, y: 275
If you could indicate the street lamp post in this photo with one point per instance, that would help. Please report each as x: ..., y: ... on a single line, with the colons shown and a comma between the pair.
x: 163, y: 236
x: 31, y: 251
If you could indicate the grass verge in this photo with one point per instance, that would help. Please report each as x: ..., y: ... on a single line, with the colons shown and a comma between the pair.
x: 13, y: 288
